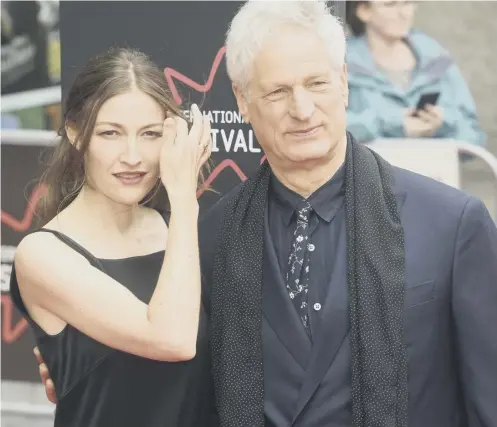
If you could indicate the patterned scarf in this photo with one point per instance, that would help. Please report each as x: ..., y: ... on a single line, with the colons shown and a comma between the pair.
x: 375, y: 274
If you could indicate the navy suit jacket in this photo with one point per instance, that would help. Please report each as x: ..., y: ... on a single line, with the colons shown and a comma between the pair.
x: 450, y: 319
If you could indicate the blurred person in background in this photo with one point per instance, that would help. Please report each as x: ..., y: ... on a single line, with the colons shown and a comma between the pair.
x: 110, y: 308
x: 24, y: 47
x: 30, y: 60
x: 390, y: 66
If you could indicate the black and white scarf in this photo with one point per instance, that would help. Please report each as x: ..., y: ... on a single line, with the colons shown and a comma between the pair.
x: 375, y: 274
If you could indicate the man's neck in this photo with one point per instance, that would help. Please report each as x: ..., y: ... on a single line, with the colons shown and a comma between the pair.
x: 305, y: 179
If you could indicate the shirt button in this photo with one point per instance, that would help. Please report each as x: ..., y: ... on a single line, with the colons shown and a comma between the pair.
x: 317, y: 306
x: 311, y: 247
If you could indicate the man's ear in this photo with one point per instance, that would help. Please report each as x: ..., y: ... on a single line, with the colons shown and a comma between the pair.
x: 344, y: 82
x: 241, y: 100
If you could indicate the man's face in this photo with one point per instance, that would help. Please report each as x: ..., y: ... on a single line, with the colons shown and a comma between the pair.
x: 296, y: 99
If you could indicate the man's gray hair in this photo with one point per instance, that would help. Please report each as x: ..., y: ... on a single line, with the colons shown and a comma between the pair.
x: 258, y: 19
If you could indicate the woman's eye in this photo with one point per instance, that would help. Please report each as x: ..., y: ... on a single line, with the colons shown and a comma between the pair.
x: 108, y: 133
x: 152, y: 134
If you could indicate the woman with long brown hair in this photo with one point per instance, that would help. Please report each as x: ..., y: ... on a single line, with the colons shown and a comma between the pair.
x: 118, y: 318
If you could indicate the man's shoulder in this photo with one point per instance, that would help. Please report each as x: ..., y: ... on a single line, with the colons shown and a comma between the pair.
x: 210, y: 222
x: 208, y: 235
x: 431, y: 198
x: 428, y: 189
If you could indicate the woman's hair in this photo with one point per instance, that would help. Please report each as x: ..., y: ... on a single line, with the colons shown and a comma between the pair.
x: 243, y: 41
x: 104, y: 76
x: 354, y: 23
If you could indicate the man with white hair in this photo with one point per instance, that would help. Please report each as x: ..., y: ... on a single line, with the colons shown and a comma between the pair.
x: 342, y: 291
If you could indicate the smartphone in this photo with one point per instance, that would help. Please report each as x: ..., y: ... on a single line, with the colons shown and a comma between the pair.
x: 426, y: 99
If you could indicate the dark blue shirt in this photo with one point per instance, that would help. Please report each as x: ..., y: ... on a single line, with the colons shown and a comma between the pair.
x: 325, y: 225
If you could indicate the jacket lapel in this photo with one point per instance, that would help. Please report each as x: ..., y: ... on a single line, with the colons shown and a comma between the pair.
x: 331, y: 330
x: 278, y: 308
x: 333, y: 327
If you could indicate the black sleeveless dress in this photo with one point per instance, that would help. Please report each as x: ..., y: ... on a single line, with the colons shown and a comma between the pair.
x: 98, y: 386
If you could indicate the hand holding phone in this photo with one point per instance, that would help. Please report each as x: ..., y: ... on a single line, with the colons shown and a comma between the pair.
x: 424, y: 100
x: 425, y: 123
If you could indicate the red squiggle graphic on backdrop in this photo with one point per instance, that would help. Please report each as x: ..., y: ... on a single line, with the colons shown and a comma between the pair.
x: 25, y: 223
x: 11, y: 333
x: 226, y: 163
x: 171, y: 74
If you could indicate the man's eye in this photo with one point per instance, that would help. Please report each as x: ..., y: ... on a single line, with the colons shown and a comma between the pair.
x: 276, y: 94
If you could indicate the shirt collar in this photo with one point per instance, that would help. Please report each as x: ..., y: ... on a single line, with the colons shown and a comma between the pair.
x: 325, y: 201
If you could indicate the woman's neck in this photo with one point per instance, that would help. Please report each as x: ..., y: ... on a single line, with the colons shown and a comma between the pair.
x: 390, y: 53
x: 101, y: 212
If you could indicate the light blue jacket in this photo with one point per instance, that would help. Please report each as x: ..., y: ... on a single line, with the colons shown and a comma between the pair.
x: 375, y: 104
